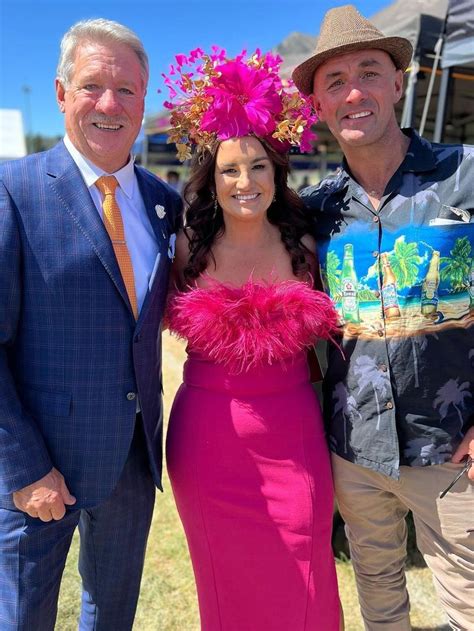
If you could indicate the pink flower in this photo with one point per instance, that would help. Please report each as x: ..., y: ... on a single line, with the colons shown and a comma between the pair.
x: 245, y: 100
x: 181, y: 60
x: 197, y: 53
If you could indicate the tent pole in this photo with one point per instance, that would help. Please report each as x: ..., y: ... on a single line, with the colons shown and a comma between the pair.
x: 438, y: 135
x: 410, y: 96
x: 438, y: 48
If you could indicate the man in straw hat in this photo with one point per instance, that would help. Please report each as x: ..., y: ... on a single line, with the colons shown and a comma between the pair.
x: 396, y: 243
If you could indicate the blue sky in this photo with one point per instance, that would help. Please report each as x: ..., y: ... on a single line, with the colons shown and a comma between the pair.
x: 30, y: 32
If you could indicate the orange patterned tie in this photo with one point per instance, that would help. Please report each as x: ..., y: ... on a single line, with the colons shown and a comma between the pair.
x: 114, y: 226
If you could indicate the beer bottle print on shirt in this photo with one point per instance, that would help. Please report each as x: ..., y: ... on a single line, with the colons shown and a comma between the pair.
x: 350, y: 298
x: 429, y: 288
x: 389, y: 289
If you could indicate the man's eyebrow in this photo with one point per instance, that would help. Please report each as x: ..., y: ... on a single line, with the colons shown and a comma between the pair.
x: 366, y: 63
x: 333, y: 75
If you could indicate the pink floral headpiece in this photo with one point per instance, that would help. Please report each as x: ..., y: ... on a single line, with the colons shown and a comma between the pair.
x: 213, y: 97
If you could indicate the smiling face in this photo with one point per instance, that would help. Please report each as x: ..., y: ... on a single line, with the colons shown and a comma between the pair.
x: 103, y: 103
x: 244, y: 178
x: 355, y: 95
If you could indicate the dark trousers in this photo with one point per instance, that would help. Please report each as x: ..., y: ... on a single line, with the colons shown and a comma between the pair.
x: 113, y: 537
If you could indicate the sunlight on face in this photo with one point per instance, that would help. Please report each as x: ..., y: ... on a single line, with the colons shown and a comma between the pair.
x: 355, y: 94
x: 244, y: 179
x: 104, y: 103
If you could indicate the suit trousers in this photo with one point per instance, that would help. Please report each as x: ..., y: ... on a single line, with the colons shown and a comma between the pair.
x: 374, y: 508
x: 113, y: 537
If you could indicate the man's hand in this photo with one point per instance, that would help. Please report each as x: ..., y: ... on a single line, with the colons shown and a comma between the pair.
x: 46, y: 499
x: 466, y: 448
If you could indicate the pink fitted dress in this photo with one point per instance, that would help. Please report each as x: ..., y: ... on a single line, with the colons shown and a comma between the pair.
x: 248, y: 460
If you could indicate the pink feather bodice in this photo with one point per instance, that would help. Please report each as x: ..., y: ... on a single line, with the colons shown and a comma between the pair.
x: 257, y: 323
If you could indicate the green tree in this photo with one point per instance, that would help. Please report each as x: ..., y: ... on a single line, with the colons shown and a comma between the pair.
x: 333, y: 274
x: 455, y: 268
x: 405, y: 260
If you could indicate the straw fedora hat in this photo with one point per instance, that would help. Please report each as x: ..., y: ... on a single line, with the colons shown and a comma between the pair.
x: 345, y: 30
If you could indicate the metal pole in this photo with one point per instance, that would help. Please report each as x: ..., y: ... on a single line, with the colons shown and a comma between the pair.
x: 438, y: 48
x: 410, y: 96
x: 442, y: 105
x: 29, y: 131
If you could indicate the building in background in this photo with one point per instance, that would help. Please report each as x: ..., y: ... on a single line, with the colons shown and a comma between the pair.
x: 12, y: 135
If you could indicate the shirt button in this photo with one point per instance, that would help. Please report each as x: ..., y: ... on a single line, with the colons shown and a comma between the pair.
x: 389, y: 405
x: 383, y: 367
x: 375, y: 254
x: 380, y: 333
x: 131, y: 396
x: 375, y: 219
x: 377, y: 294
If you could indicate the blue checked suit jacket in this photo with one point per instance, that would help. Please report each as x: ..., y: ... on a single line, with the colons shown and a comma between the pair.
x: 70, y: 350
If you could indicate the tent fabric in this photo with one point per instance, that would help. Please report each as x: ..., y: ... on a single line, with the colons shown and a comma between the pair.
x: 419, y: 21
x: 459, y: 43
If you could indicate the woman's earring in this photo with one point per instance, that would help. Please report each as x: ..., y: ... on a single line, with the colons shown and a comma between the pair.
x: 274, y: 197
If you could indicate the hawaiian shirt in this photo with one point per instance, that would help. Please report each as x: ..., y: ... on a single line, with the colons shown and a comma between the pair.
x: 399, y: 390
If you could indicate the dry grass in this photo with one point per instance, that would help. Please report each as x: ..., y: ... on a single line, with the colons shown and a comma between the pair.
x: 168, y: 597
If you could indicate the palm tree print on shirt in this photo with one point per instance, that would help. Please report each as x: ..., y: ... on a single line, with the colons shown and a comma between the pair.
x: 452, y: 393
x: 418, y: 345
x: 347, y: 405
x: 369, y: 374
x: 455, y: 268
x: 405, y: 261
x: 332, y: 275
x: 423, y: 451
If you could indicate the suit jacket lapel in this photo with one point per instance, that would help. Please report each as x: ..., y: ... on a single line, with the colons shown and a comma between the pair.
x: 67, y: 182
x: 152, y: 196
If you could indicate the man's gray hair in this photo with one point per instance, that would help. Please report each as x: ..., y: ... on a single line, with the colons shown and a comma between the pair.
x: 97, y: 31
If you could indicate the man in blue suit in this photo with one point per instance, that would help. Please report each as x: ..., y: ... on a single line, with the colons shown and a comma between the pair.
x: 80, y: 349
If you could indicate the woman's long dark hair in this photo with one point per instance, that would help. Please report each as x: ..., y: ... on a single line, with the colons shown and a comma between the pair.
x: 204, y: 224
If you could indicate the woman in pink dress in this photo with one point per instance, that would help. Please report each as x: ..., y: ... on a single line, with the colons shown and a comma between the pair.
x: 246, y: 449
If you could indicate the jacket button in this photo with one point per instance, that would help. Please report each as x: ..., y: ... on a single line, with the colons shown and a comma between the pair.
x: 131, y: 396
x: 389, y: 405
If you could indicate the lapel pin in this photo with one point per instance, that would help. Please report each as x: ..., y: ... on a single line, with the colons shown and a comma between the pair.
x: 160, y: 211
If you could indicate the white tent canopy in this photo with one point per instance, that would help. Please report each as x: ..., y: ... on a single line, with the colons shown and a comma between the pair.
x: 458, y: 48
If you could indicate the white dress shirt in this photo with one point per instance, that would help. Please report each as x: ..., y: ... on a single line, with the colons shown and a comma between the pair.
x: 139, y: 235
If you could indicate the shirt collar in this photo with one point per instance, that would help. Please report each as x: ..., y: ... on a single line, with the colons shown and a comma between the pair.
x: 91, y: 173
x: 419, y: 156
